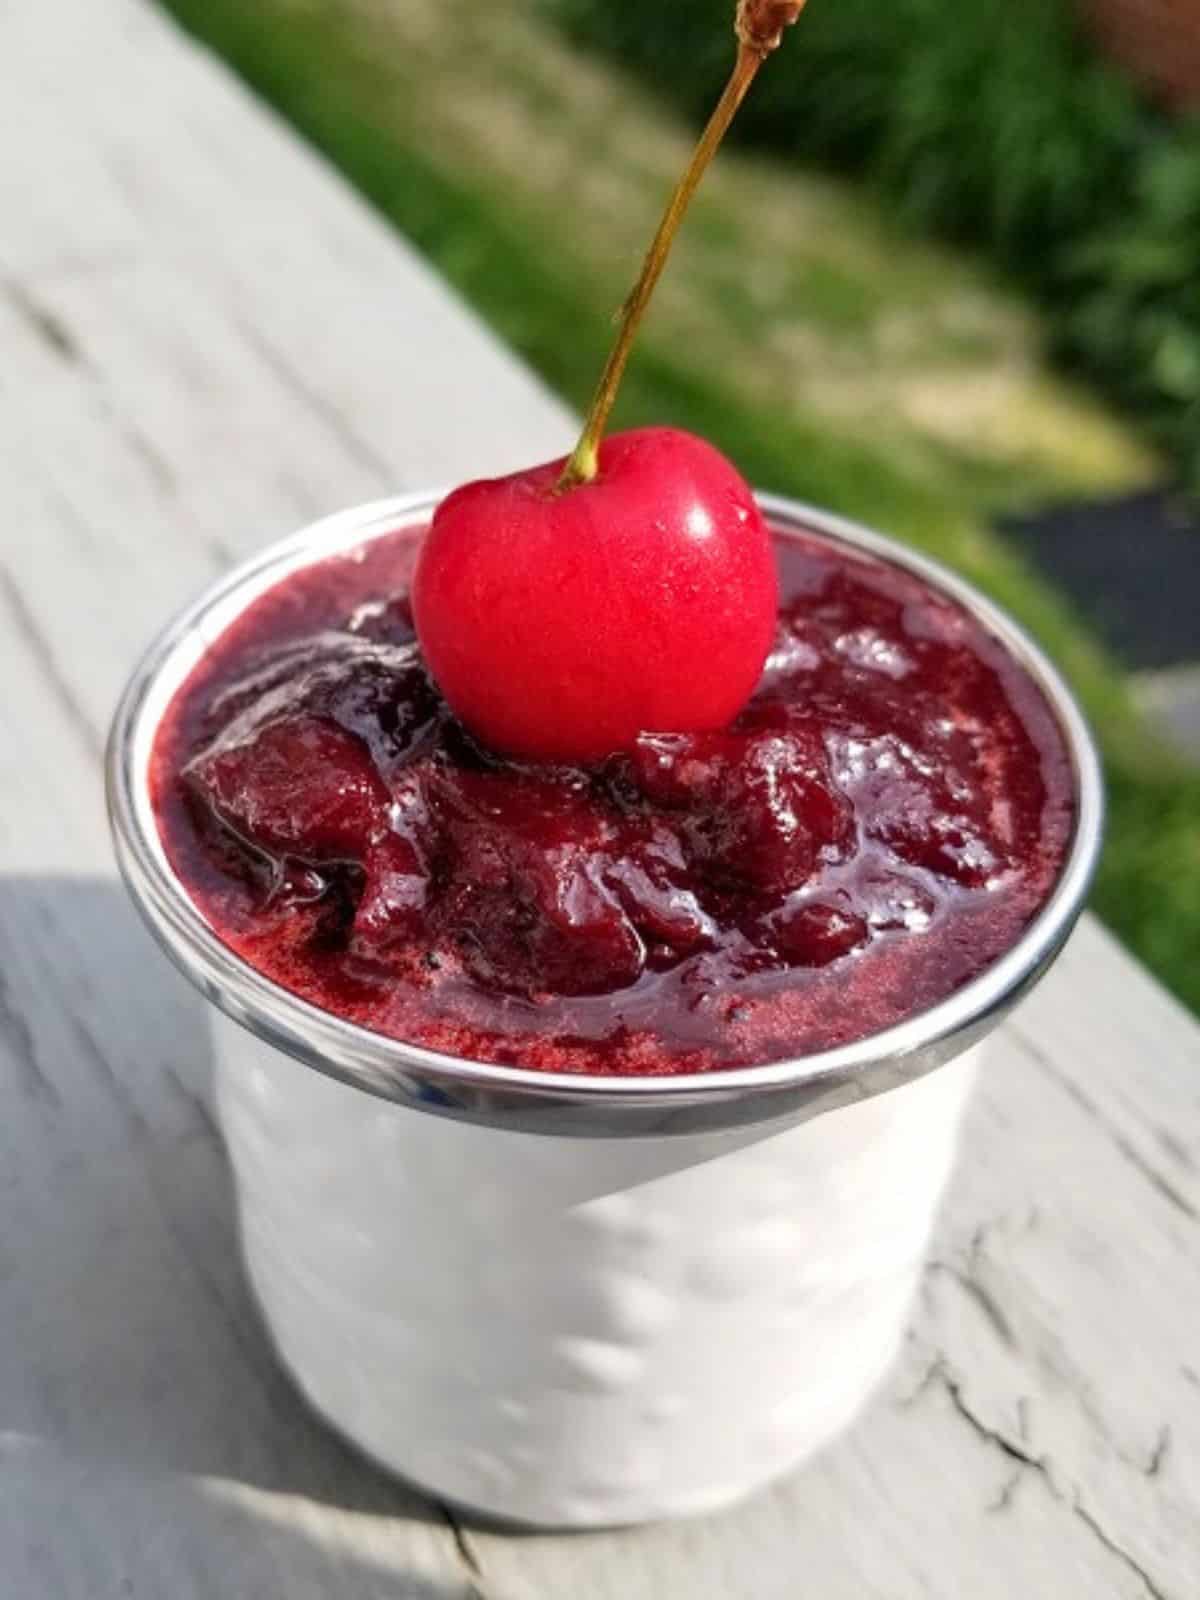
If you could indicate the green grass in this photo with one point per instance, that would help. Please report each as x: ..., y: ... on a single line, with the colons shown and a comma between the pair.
x: 999, y: 123
x: 828, y: 355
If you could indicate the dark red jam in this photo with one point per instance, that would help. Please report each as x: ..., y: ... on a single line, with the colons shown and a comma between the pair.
x: 875, y: 829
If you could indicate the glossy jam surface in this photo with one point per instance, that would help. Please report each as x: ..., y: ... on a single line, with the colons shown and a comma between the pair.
x: 876, y: 828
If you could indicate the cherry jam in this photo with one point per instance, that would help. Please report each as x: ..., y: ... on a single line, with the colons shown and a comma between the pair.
x: 878, y: 825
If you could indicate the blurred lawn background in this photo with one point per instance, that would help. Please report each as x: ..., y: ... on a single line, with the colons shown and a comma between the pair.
x: 995, y: 122
x: 815, y: 323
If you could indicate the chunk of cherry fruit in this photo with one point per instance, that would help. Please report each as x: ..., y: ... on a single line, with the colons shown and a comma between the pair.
x: 300, y: 790
x: 548, y: 890
x: 758, y: 808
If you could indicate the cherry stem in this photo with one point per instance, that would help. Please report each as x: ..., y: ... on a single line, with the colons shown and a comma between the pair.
x: 582, y: 464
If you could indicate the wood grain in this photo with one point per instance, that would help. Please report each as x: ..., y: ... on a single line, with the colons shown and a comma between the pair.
x: 206, y: 340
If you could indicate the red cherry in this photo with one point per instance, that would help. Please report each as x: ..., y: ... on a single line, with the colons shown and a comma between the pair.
x: 559, y: 626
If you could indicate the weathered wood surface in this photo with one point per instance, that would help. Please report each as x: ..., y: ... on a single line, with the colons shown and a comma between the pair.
x: 205, y: 340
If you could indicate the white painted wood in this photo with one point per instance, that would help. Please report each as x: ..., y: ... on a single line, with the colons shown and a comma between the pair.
x: 1042, y: 1436
x: 204, y: 340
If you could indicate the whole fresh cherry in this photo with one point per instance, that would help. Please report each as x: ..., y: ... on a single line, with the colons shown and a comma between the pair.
x: 628, y: 589
x: 560, y: 624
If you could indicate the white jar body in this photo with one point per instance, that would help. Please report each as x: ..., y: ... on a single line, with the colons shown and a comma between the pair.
x: 574, y: 1331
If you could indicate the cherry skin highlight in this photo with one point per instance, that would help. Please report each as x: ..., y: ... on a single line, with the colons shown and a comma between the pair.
x: 561, y: 625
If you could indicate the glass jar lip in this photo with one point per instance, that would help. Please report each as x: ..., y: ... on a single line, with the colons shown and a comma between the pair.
x: 523, y: 1098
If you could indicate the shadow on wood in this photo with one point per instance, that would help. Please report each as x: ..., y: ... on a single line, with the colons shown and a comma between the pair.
x: 130, y: 1342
